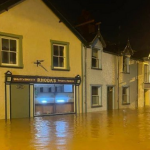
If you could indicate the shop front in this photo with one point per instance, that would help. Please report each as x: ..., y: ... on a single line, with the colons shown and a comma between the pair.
x: 30, y: 96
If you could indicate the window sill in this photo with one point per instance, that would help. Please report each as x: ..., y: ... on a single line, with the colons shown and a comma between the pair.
x: 56, y: 69
x: 126, y: 104
x: 96, y: 68
x: 96, y: 106
x: 17, y: 67
x: 126, y: 72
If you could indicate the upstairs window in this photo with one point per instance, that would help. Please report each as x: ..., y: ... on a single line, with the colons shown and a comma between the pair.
x: 146, y: 73
x: 96, y: 58
x: 126, y: 66
x: 60, y: 55
x: 11, y: 50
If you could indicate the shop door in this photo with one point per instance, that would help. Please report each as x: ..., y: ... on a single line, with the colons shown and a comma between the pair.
x: 19, y: 100
x: 109, y: 98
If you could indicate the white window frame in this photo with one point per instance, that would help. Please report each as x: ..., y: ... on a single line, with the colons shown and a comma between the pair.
x: 98, y: 58
x: 146, y: 73
x: 98, y: 95
x: 126, y: 95
x: 126, y: 64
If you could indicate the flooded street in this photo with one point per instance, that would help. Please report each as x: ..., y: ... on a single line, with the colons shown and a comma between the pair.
x: 114, y: 130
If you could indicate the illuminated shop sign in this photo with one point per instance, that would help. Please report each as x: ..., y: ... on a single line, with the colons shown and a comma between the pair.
x: 30, y: 79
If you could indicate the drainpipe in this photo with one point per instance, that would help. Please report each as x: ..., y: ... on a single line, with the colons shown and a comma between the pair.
x: 137, y: 85
x: 118, y: 81
x: 85, y: 75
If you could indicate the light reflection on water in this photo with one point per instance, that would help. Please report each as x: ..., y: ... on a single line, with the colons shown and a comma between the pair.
x: 119, y: 130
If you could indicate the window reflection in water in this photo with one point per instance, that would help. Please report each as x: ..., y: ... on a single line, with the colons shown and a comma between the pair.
x: 42, y: 131
x: 61, y: 132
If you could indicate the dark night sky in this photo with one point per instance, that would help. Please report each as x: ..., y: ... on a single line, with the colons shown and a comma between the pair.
x: 133, y: 17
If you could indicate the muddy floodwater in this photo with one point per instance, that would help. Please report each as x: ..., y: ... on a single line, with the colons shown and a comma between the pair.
x: 114, y: 130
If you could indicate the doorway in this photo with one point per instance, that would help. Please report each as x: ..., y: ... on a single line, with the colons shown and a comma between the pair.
x: 19, y: 101
x: 110, y: 97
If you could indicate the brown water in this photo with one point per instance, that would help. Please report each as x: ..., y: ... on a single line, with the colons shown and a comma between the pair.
x: 114, y: 130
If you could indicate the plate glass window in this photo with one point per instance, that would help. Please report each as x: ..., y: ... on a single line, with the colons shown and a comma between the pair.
x: 53, y: 99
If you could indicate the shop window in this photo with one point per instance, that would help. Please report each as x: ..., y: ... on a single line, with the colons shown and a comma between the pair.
x: 96, y: 92
x: 125, y: 95
x: 60, y: 55
x: 11, y: 50
x: 96, y: 58
x: 126, y: 65
x: 146, y: 73
x: 53, y: 99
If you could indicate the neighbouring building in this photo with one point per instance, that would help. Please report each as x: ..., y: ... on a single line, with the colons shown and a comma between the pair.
x: 104, y: 72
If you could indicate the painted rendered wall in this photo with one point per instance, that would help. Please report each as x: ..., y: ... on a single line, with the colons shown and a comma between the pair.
x: 109, y: 76
x: 38, y: 25
x: 106, y: 76
x: 135, y: 81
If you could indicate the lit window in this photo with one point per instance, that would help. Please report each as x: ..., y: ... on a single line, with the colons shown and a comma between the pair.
x: 126, y: 68
x: 96, y: 58
x: 96, y: 95
x: 125, y: 95
x: 146, y: 73
x: 60, y: 55
x: 11, y: 50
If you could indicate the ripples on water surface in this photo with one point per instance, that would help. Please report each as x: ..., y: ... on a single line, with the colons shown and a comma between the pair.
x: 114, y: 130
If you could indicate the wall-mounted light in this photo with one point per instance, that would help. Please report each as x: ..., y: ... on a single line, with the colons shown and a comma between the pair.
x: 8, y: 75
x: 78, y: 80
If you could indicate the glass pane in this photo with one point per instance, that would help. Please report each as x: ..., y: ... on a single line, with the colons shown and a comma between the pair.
x: 13, y: 45
x: 5, y: 44
x: 95, y: 63
x: 94, y: 90
x: 5, y: 57
x: 95, y: 53
x: 55, y: 61
x: 12, y: 58
x: 95, y: 100
x: 61, y: 48
x: 124, y: 98
x: 61, y: 62
x: 68, y: 88
x: 124, y: 90
x: 55, y: 47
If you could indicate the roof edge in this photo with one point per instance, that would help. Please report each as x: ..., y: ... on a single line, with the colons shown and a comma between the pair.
x: 65, y: 21
x: 9, y: 4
